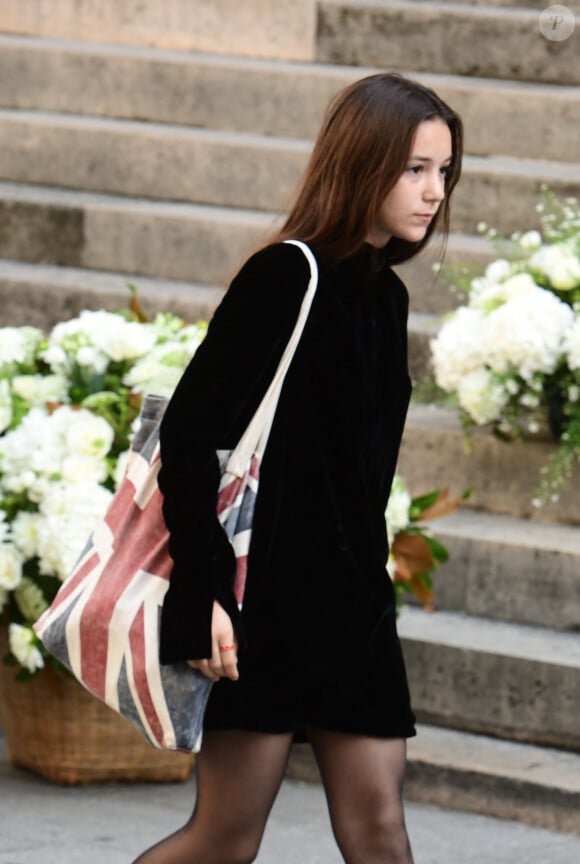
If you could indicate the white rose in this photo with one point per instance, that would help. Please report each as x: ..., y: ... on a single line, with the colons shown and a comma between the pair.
x: 10, y: 566
x: 83, y: 469
x: 397, y: 513
x: 131, y: 340
x: 481, y: 397
x: 92, y: 358
x: 23, y: 646
x: 85, y: 433
x: 39, y: 389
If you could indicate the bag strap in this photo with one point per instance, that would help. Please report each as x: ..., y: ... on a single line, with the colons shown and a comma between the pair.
x: 255, y: 437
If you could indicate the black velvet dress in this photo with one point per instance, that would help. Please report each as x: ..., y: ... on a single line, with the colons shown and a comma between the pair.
x: 318, y: 641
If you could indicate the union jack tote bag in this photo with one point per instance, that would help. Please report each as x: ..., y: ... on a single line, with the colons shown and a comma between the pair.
x: 104, y: 623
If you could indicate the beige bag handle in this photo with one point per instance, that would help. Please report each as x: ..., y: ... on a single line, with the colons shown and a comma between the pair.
x: 255, y: 438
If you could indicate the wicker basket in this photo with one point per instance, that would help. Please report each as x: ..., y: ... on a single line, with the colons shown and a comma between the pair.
x: 55, y: 728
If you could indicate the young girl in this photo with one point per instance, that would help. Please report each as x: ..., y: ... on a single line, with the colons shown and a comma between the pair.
x: 314, y: 655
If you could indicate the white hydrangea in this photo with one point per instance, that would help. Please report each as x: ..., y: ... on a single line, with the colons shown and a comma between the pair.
x: 530, y: 240
x: 572, y: 345
x: 69, y: 515
x: 18, y: 345
x: 527, y: 334
x: 23, y: 645
x: 45, y: 445
x: 5, y: 405
x: 397, y: 513
x: 457, y: 348
x: 495, y: 294
x: 481, y: 396
x: 11, y: 562
x: 25, y: 533
x: 560, y: 262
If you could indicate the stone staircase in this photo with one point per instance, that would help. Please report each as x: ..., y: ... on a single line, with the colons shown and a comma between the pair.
x: 123, y: 163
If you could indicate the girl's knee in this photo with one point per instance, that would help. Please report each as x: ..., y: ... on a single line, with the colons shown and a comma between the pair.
x: 379, y: 836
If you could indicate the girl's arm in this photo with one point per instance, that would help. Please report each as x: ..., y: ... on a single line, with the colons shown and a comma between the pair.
x: 210, y: 409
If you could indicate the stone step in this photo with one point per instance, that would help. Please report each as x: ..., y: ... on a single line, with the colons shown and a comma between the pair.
x: 487, y: 41
x: 263, y: 96
x: 41, y: 295
x: 492, y: 677
x: 253, y: 27
x: 504, y: 568
x: 132, y: 235
x: 167, y: 240
x: 422, y: 328
x: 504, y: 475
x: 233, y: 169
x: 535, y: 785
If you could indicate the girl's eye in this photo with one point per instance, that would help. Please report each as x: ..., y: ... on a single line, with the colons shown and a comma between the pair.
x: 445, y: 170
x: 415, y: 169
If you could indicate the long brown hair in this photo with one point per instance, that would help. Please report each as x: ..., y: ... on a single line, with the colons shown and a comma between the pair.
x: 361, y: 151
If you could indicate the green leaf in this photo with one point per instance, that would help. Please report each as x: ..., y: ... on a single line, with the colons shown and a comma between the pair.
x: 438, y: 550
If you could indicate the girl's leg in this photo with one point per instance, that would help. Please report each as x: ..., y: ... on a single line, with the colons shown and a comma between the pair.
x: 363, y: 781
x: 238, y: 776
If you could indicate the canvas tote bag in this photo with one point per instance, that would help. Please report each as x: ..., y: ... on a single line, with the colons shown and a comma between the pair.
x: 104, y: 623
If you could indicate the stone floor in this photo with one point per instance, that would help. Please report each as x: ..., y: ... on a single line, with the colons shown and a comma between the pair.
x: 40, y: 822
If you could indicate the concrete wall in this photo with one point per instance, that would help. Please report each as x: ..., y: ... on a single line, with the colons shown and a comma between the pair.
x: 255, y: 28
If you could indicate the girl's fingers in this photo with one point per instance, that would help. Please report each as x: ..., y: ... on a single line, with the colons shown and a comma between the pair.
x: 204, y: 667
x: 229, y: 659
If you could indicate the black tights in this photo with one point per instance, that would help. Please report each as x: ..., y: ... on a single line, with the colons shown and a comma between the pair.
x: 239, y: 774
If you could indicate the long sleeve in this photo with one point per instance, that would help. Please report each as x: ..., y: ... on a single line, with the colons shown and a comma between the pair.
x: 211, y: 407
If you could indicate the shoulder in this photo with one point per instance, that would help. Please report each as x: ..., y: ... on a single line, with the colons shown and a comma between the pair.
x: 268, y: 288
x: 395, y: 284
x: 284, y: 262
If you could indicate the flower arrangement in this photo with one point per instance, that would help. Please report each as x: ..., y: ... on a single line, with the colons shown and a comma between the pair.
x: 68, y: 405
x: 414, y: 552
x: 511, y: 355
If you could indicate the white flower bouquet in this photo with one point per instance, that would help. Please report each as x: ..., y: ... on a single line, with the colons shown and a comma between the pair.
x: 511, y: 355
x: 68, y: 402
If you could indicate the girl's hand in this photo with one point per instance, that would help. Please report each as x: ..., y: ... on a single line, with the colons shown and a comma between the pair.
x: 224, y: 659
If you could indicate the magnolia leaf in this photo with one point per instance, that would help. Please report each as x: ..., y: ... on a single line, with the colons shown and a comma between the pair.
x: 443, y: 505
x: 422, y: 503
x: 438, y: 550
x: 412, y: 555
x: 135, y: 306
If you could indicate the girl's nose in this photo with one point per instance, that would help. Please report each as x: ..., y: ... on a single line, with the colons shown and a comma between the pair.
x: 435, y: 187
